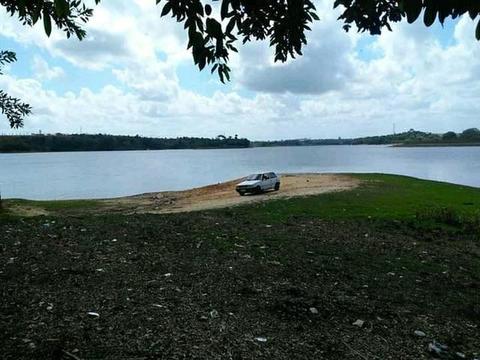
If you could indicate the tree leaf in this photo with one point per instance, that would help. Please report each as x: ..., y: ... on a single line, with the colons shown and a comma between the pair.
x: 61, y: 8
x: 47, y: 22
x: 413, y: 8
x: 208, y: 10
x: 166, y: 9
x: 224, y: 9
x: 230, y: 26
x: 430, y: 15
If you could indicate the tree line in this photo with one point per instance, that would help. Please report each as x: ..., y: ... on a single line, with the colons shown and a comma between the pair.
x: 102, y: 142
x: 411, y: 137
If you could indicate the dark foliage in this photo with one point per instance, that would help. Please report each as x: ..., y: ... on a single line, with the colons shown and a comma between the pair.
x: 61, y: 142
x: 283, y: 23
x: 411, y: 137
x: 374, y: 15
x: 471, y: 134
x: 12, y: 107
x: 67, y: 15
x: 449, y: 136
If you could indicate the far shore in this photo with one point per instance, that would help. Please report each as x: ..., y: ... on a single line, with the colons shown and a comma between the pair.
x: 437, y: 145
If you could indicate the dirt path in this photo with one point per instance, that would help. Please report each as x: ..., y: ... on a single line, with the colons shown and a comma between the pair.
x: 224, y: 194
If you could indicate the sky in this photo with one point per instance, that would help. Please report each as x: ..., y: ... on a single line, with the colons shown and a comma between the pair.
x: 133, y: 75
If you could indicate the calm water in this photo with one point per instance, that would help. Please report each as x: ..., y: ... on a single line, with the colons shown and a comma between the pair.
x: 119, y: 173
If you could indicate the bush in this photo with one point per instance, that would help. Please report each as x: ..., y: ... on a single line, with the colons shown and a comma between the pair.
x: 449, y: 136
x: 451, y: 217
x: 471, y: 134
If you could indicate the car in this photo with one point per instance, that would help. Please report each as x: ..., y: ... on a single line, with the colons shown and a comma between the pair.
x: 258, y: 183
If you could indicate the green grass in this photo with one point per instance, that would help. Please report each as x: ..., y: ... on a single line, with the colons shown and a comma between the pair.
x: 66, y: 204
x: 388, y: 197
x: 53, y: 205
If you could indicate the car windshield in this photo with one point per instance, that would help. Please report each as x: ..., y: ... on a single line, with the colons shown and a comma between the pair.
x: 254, y: 177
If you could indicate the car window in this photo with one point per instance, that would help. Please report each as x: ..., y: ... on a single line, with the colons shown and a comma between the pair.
x: 272, y: 175
x: 254, y: 177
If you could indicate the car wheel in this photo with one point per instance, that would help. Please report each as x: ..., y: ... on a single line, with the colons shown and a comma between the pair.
x: 277, y: 186
x: 241, y: 193
x: 258, y: 190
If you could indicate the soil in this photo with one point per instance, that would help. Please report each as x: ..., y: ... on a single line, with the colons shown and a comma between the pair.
x: 220, y: 285
x: 224, y: 195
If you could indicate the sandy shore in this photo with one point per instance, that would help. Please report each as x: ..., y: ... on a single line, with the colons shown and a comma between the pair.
x: 224, y: 195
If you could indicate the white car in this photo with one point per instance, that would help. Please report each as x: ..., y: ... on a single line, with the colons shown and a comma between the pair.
x: 257, y: 183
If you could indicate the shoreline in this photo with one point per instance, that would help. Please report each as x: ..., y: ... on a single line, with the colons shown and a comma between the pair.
x: 244, y: 148
x: 214, y: 196
x: 438, y: 145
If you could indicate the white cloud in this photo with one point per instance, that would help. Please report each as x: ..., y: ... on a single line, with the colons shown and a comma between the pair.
x: 414, y: 80
x: 43, y: 71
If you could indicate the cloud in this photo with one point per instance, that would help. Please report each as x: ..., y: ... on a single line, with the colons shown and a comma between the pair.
x: 415, y: 80
x: 154, y: 81
x: 98, y: 50
x: 326, y: 65
x: 43, y: 71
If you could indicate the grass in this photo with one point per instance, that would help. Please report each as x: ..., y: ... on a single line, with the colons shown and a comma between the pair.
x: 33, y: 207
x: 387, y: 197
x: 380, y: 197
x: 59, y: 205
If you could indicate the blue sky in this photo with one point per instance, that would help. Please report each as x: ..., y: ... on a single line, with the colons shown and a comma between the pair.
x: 133, y: 75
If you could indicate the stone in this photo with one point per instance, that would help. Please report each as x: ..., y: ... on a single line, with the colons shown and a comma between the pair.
x: 420, y: 333
x: 261, y: 339
x: 214, y: 314
x: 437, y: 348
x: 359, y: 323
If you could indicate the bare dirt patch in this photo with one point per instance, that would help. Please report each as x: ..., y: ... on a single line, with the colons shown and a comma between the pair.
x: 27, y: 211
x: 224, y: 194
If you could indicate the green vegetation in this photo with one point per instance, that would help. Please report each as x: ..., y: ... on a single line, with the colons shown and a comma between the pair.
x: 58, y: 205
x: 387, y: 197
x: 101, y: 142
x: 380, y: 197
x: 408, y: 138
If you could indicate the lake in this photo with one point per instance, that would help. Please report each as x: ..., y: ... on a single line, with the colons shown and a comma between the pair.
x: 75, y: 175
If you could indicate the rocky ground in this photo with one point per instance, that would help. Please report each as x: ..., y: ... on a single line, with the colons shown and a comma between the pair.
x: 221, y: 285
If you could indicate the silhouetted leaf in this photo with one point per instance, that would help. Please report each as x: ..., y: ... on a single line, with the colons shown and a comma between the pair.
x: 413, y: 9
x: 430, y: 15
x: 208, y: 10
x: 166, y: 9
x: 47, y: 23
x: 61, y: 7
x: 224, y: 9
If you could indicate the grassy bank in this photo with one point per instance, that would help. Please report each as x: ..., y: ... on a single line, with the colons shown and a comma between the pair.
x: 276, y: 280
x: 380, y: 196
x: 388, y: 197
